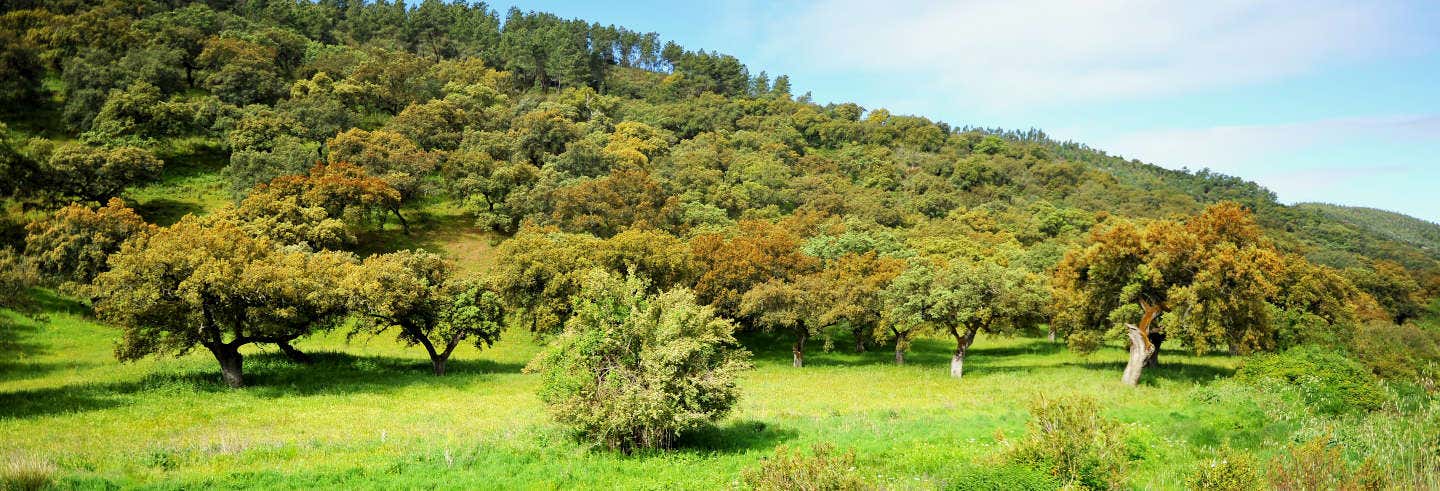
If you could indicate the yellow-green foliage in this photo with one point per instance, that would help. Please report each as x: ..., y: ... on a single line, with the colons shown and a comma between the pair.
x: 823, y: 470
x: 1317, y: 464
x: 1069, y: 436
x: 637, y: 371
x: 1404, y: 352
x: 1229, y: 470
x: 1325, y: 379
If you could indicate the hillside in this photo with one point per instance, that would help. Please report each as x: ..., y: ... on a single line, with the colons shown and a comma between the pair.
x: 1416, y: 232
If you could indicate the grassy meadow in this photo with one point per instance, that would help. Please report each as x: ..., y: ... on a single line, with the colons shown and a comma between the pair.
x: 368, y: 415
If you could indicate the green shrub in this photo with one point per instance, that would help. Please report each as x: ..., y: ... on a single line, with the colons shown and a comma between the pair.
x: 26, y: 473
x: 792, y: 470
x: 1069, y: 437
x: 1327, y: 380
x: 1230, y: 470
x: 1399, y: 352
x: 633, y: 370
x: 1318, y: 465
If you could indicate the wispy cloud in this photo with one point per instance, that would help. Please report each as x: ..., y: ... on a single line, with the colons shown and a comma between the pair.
x: 1238, y: 148
x: 1376, y: 161
x: 1057, y: 51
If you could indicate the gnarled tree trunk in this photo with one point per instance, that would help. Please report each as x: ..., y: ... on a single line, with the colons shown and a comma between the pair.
x: 860, y: 338
x: 231, y: 364
x: 1156, y: 339
x: 1140, y: 347
x: 962, y: 344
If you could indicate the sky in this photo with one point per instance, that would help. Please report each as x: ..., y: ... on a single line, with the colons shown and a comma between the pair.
x: 1317, y: 100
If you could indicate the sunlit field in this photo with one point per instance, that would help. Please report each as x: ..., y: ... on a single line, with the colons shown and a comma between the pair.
x: 368, y: 414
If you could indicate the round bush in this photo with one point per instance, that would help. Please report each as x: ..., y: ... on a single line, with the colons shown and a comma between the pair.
x: 633, y: 370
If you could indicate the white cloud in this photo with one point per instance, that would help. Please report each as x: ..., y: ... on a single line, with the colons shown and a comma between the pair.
x: 1036, y: 52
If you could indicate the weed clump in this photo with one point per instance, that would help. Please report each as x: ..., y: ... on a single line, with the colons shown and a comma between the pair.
x: 1070, y: 438
x: 23, y: 473
x: 823, y: 470
x: 1229, y: 470
x: 1317, y: 464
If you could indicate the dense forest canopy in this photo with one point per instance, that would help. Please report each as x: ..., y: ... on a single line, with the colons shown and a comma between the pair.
x: 583, y: 146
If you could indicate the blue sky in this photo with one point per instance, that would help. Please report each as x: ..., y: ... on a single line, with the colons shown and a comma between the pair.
x: 1317, y: 100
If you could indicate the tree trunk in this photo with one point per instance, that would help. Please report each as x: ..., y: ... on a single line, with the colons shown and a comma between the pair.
x: 962, y: 344
x: 1156, y: 339
x: 902, y: 344
x: 859, y: 339
x: 1052, y: 332
x: 437, y: 359
x: 1140, y: 347
x: 404, y: 226
x: 799, y: 349
x: 231, y: 363
x: 293, y: 354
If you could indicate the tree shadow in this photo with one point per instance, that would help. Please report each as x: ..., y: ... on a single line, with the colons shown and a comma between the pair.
x: 18, y: 346
x: 54, y: 401
x: 166, y: 211
x: 267, y: 375
x: 428, y: 231
x: 1168, y: 370
x: 775, y: 348
x: 735, y: 437
x: 1036, y: 346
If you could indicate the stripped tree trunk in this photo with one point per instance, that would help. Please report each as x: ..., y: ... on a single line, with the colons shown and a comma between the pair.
x: 1156, y: 339
x: 1140, y: 347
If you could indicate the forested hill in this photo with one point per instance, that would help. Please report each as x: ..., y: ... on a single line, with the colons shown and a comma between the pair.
x: 528, y: 118
x: 1422, y: 234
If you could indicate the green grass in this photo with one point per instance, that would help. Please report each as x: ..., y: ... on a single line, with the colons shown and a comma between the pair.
x: 367, y: 415
x: 190, y: 184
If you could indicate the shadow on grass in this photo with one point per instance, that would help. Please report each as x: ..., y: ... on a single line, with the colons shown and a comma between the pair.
x: 775, y: 348
x: 428, y: 231
x: 1180, y: 372
x: 166, y: 211
x: 50, y: 301
x: 735, y: 437
x: 17, y: 346
x: 268, y: 375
